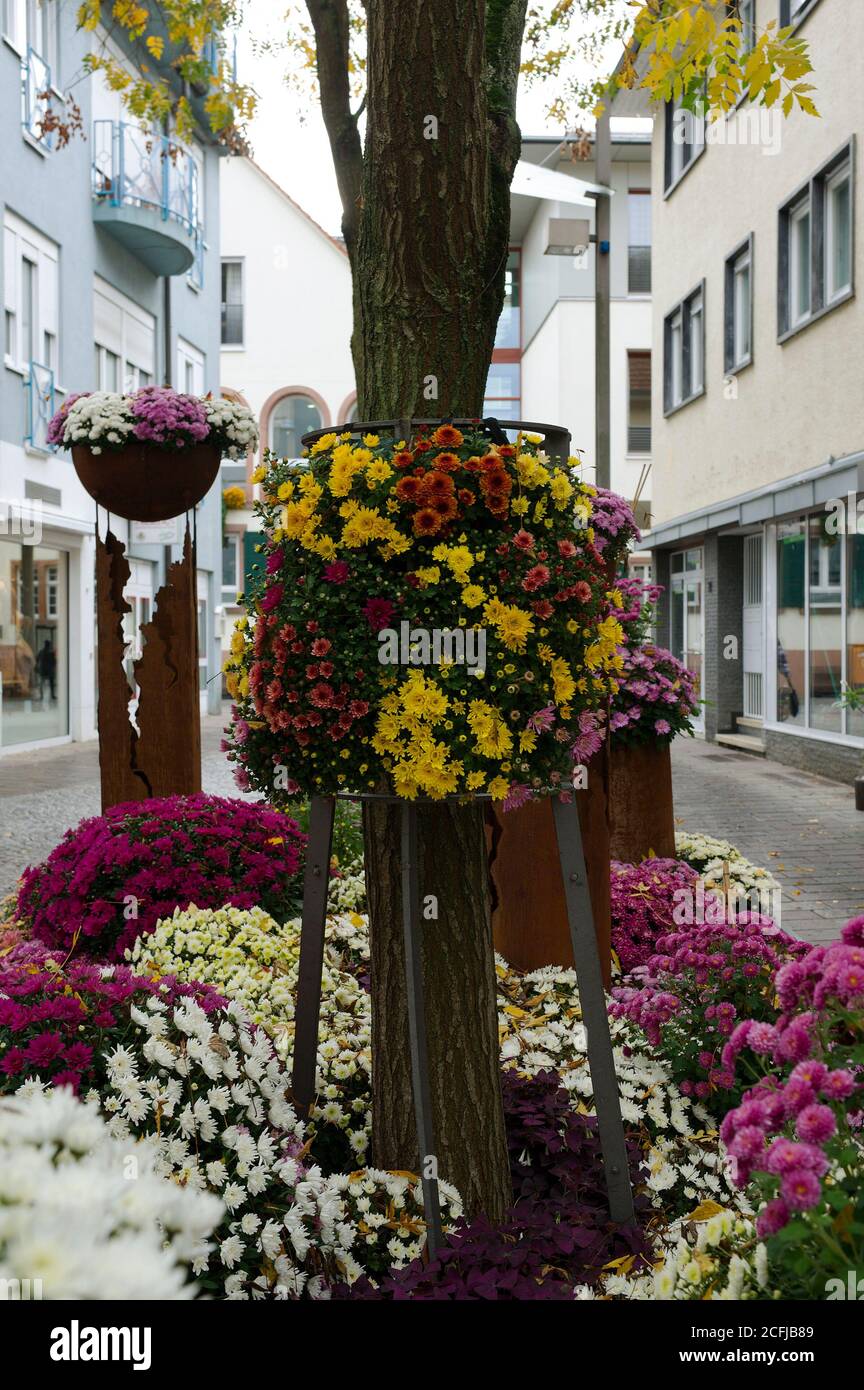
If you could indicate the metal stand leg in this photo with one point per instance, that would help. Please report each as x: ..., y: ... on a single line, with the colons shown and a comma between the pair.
x: 417, y: 1027
x: 316, y: 881
x: 594, y: 1015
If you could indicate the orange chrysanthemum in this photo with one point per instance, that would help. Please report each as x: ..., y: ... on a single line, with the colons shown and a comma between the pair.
x: 438, y: 485
x: 448, y: 436
x: 446, y: 462
x: 409, y: 489
x: 427, y: 522
x: 403, y: 459
x: 445, y: 507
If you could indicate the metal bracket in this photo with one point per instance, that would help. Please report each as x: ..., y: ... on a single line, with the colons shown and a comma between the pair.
x: 588, y: 976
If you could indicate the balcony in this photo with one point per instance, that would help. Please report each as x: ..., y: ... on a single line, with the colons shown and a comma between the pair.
x: 39, y: 407
x: 35, y: 98
x: 145, y: 194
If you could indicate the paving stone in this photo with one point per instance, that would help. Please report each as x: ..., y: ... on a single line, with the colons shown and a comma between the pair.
x: 804, y: 828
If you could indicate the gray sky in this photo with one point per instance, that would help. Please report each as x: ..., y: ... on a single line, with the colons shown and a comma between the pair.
x: 297, y: 155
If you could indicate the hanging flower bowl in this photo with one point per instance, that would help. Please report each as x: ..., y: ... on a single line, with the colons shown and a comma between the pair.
x: 154, y: 454
x: 142, y: 482
x: 432, y: 616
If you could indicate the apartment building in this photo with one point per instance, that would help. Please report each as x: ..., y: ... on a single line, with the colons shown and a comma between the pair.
x: 109, y: 280
x: 758, y: 405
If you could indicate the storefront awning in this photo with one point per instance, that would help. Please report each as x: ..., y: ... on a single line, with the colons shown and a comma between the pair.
x: 786, y: 497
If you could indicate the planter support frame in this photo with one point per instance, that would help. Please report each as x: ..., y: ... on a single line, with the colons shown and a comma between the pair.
x: 588, y: 976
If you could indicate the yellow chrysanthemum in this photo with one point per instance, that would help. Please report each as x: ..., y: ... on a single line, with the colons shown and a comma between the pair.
x: 325, y: 442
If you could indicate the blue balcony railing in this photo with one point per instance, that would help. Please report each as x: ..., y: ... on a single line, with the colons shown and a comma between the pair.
x: 222, y: 48
x: 35, y: 103
x: 135, y: 168
x: 40, y: 406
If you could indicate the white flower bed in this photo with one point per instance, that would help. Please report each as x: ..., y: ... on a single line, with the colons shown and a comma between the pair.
x: 89, y: 1215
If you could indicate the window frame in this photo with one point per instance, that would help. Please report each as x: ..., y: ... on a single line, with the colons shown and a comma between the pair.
x: 130, y: 373
x: 842, y: 174
x: 671, y: 178
x: 789, y: 20
x: 680, y: 317
x: 304, y: 393
x: 631, y: 354
x: 731, y: 361
x: 639, y: 246
x: 24, y: 242
x: 241, y: 262
x: 814, y: 194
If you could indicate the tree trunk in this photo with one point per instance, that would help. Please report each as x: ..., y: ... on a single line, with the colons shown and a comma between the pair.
x: 426, y: 213
x: 429, y: 267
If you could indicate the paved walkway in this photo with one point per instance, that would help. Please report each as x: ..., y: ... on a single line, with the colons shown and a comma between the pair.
x: 803, y: 828
x: 43, y: 793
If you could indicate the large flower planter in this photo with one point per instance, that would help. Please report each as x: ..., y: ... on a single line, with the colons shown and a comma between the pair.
x: 640, y: 802
x: 143, y: 482
x: 529, y: 920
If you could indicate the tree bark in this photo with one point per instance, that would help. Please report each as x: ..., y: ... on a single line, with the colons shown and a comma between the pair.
x: 428, y: 239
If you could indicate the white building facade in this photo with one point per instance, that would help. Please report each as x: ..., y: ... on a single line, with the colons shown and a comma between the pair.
x: 556, y: 367
x: 759, y: 408
x: 286, y: 341
x: 109, y: 280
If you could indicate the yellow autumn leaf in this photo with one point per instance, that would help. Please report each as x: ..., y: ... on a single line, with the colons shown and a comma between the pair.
x: 705, y: 1211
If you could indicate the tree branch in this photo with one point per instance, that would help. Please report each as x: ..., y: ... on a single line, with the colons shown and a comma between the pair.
x: 330, y: 23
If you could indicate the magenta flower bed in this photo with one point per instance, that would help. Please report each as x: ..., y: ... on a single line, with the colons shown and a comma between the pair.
x: 702, y: 980
x: 804, y: 1118
x: 57, y: 1023
x: 112, y: 877
x: 643, y: 901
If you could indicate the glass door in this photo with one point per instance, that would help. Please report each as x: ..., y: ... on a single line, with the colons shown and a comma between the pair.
x: 688, y: 619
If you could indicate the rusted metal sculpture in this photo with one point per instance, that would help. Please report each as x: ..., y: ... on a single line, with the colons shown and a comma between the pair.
x: 160, y: 753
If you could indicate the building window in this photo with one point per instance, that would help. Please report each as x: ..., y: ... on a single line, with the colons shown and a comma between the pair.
x: 838, y: 234
x: 685, y: 141
x: 639, y: 403
x: 791, y: 11
x: 291, y: 418
x: 232, y: 303
x: 503, y: 396
x: 738, y: 315
x: 32, y: 24
x: 190, y: 369
x: 34, y: 643
x: 800, y: 298
x: 820, y: 625
x: 125, y: 341
x: 509, y: 330
x: 30, y: 293
x: 232, y: 543
x: 815, y: 245
x: 684, y: 352
x: 639, y: 249
x: 746, y: 12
